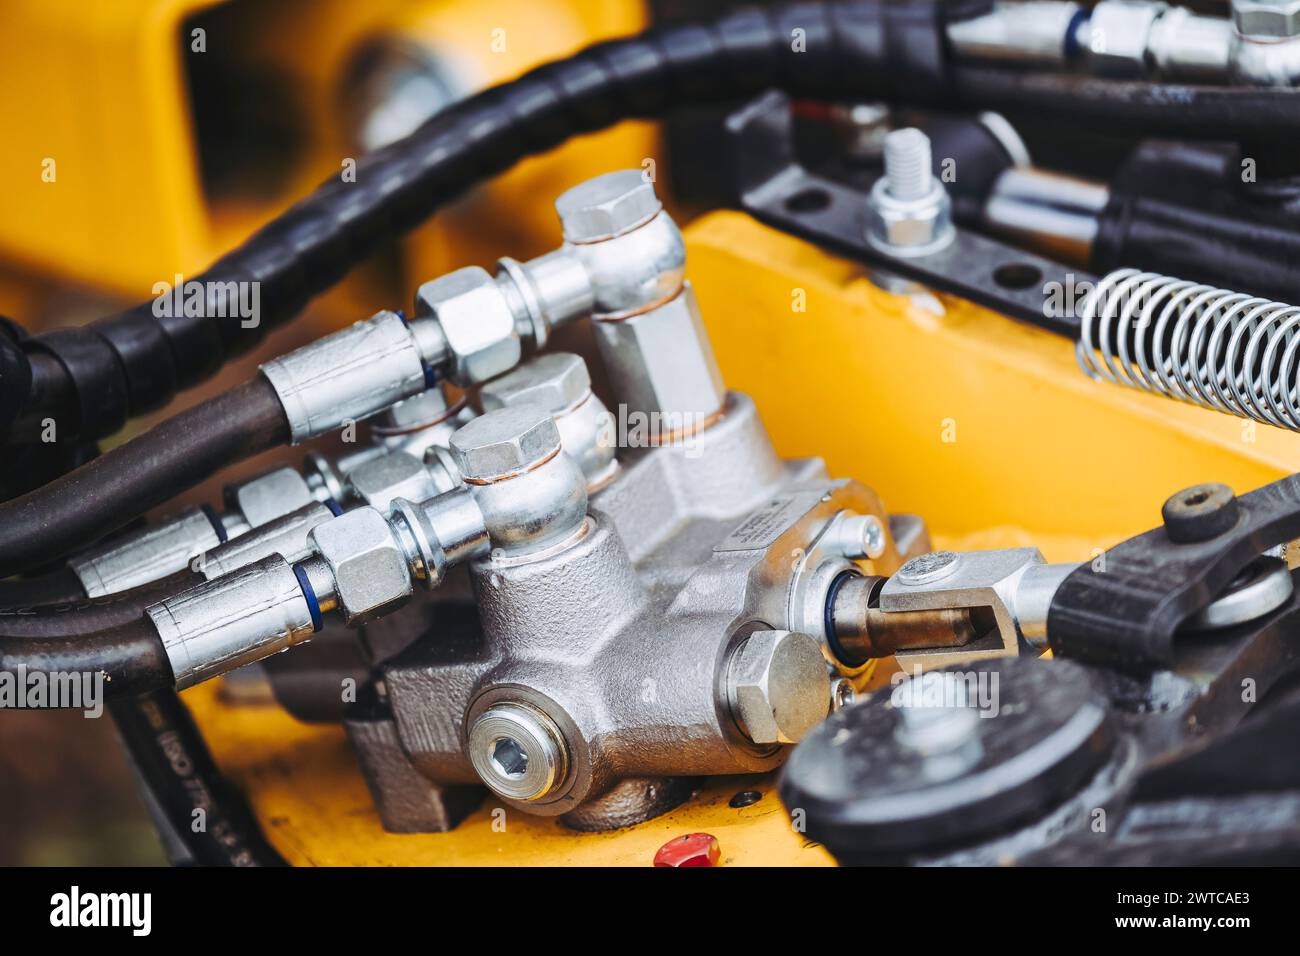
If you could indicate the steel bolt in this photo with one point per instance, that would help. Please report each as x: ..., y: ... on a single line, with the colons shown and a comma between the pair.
x: 907, y: 164
x: 778, y: 687
x: 860, y: 536
x: 910, y: 213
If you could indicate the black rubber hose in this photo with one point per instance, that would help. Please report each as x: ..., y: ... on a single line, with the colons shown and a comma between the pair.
x: 136, y: 361
x: 130, y: 657
x: 200, y: 809
x: 59, y: 586
x: 101, y: 496
x: 88, y: 615
x: 1176, y: 110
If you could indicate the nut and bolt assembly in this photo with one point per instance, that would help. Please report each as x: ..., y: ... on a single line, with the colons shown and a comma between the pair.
x: 910, y: 213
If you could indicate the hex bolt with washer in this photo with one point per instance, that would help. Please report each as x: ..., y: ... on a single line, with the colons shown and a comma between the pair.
x: 910, y: 213
x: 777, y: 686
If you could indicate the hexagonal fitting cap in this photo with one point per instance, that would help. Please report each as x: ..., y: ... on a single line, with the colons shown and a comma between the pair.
x: 607, y: 206
x: 504, y: 443
x: 482, y: 340
x: 778, y: 686
x: 1261, y: 18
x: 554, y: 381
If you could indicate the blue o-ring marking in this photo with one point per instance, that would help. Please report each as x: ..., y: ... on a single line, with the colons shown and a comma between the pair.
x: 1072, y: 33
x: 214, y: 519
x: 335, y: 508
x: 309, y: 593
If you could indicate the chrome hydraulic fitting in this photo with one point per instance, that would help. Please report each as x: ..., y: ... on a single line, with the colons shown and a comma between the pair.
x: 1268, y: 49
x: 530, y: 493
x: 560, y: 384
x: 383, y: 478
x: 647, y: 322
x: 910, y: 213
x: 261, y: 500
x: 147, y: 555
x: 361, y: 563
x: 286, y: 536
x: 622, y: 263
x: 1137, y: 38
x: 374, y: 558
x: 234, y: 620
x: 634, y: 256
x: 369, y: 566
x: 348, y: 376
x: 1030, y: 34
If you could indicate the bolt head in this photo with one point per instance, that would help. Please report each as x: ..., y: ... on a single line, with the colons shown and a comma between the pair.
x: 861, y: 536
x: 554, y: 381
x: 477, y: 323
x: 517, y: 751
x: 504, y: 443
x: 929, y: 567
x: 607, y: 206
x: 778, y: 686
x: 1267, y: 19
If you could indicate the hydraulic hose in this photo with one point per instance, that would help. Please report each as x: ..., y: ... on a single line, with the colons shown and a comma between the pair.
x: 1176, y: 110
x: 88, y: 615
x: 187, y: 787
x: 131, y: 658
x: 136, y: 361
x: 104, y: 494
x: 54, y: 587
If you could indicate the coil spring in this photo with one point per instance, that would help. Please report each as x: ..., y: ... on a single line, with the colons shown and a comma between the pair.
x: 1228, y: 351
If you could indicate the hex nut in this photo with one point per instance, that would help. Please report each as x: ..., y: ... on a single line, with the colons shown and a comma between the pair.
x: 607, y: 206
x: 393, y: 475
x: 482, y: 340
x: 270, y: 496
x: 555, y: 381
x: 1260, y: 18
x: 909, y: 227
x: 778, y: 686
x: 503, y: 443
x: 661, y: 360
x: 371, y: 575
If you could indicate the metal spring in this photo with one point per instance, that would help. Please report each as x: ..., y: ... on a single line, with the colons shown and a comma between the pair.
x: 1228, y: 351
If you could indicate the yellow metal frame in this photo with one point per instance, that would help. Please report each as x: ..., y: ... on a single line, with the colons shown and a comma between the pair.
x: 981, y: 424
x: 100, y: 89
